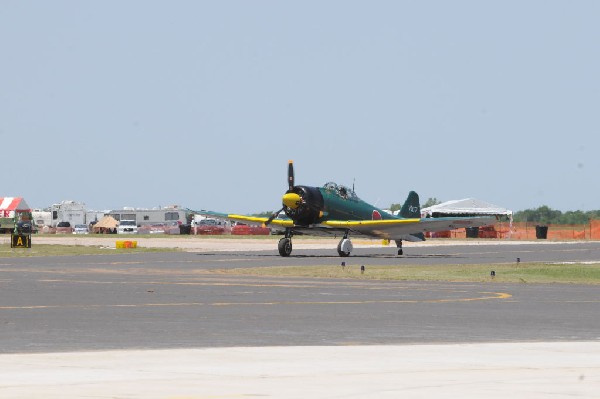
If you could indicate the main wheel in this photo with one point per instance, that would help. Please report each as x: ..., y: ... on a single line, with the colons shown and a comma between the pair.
x: 344, y: 247
x: 399, y: 245
x: 285, y: 247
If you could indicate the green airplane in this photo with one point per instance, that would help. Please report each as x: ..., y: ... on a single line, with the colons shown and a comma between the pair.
x: 336, y: 210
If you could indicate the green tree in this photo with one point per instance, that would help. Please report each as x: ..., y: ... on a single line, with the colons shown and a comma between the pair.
x: 431, y: 202
x: 395, y: 207
x: 546, y: 215
x: 264, y: 214
x: 543, y: 215
x: 574, y: 217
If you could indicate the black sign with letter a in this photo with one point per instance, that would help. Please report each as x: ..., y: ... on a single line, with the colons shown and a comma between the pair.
x: 20, y: 240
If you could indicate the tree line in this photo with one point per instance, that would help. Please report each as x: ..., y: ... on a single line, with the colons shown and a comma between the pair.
x: 546, y: 215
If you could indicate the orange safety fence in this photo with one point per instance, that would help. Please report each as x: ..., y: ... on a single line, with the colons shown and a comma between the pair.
x: 528, y: 231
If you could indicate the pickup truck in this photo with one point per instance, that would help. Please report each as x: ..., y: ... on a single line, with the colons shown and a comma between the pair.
x: 127, y: 227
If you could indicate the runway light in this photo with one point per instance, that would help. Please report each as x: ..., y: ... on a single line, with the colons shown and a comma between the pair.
x: 493, y: 274
x: 362, y: 269
x: 518, y: 260
x: 343, y: 265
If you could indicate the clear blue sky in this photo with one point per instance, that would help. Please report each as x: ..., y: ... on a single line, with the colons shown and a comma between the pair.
x: 202, y: 103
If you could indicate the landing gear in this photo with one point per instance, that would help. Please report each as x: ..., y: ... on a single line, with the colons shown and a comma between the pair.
x: 345, y: 246
x: 285, y: 246
x: 399, y: 245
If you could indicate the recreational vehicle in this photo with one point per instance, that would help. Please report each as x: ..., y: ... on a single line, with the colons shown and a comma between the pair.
x: 68, y: 211
x: 143, y: 217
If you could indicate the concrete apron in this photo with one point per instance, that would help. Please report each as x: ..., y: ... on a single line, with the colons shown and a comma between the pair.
x: 516, y: 370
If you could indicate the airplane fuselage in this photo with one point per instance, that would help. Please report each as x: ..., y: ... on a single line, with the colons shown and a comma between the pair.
x: 349, y: 208
x: 333, y: 202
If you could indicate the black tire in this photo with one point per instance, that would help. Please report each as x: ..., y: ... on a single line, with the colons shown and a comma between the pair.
x: 285, y: 247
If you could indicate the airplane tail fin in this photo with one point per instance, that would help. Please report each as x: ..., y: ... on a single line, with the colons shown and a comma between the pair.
x: 411, y: 207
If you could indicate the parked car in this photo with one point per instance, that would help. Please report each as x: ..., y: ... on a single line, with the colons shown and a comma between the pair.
x: 24, y: 227
x: 64, y: 228
x: 172, y: 228
x: 81, y: 229
x: 209, y: 227
x: 157, y: 228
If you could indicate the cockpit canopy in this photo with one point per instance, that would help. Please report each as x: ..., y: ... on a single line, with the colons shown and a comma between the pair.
x: 340, y: 190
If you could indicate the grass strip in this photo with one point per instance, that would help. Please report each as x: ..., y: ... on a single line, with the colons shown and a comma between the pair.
x: 70, y: 250
x: 532, y: 273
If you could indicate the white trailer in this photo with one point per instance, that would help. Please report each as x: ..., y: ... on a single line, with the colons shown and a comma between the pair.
x: 68, y: 211
x: 144, y: 217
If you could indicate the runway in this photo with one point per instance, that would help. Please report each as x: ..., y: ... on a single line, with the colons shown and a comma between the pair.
x: 183, y: 300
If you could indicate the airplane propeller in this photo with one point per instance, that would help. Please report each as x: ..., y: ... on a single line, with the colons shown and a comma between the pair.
x: 290, y: 199
x: 300, y: 203
x: 291, y: 175
x: 273, y: 216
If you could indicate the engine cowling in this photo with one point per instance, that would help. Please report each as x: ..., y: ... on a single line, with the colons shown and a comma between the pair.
x: 308, y: 209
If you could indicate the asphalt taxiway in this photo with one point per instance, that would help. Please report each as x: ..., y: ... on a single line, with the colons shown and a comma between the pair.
x: 183, y: 299
x: 162, y: 305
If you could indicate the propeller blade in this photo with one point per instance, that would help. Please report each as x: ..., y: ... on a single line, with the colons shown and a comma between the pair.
x: 291, y: 175
x: 290, y: 188
x: 273, y: 216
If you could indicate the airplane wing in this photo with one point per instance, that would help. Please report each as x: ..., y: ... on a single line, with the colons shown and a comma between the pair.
x: 408, y: 229
x: 250, y: 220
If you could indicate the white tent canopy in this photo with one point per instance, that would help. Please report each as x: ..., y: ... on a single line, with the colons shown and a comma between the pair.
x: 467, y: 206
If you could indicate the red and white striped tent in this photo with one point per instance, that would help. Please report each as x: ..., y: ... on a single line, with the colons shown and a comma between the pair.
x: 10, y: 205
